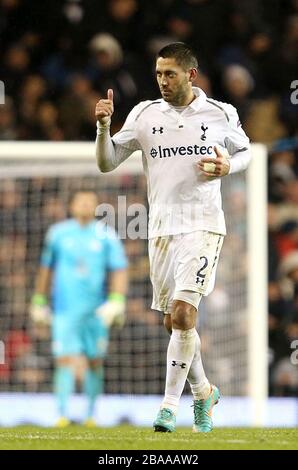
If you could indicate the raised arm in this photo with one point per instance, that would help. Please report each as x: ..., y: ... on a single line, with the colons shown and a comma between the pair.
x: 105, y: 152
x: 111, y: 152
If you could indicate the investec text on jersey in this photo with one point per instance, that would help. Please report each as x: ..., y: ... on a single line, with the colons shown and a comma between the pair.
x: 164, y: 152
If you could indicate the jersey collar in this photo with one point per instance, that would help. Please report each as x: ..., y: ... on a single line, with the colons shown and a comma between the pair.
x: 196, y: 104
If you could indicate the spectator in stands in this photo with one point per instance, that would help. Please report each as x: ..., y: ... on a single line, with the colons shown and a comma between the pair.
x: 238, y: 85
x: 123, y: 20
x: 32, y: 92
x: 15, y: 68
x: 74, y: 124
x: 8, y: 127
x: 108, y: 69
x: 47, y: 126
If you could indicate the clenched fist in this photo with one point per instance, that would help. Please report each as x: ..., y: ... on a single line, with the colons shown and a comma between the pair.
x: 104, y: 109
x: 215, y: 167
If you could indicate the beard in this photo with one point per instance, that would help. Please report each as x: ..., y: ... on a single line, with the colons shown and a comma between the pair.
x: 176, y: 97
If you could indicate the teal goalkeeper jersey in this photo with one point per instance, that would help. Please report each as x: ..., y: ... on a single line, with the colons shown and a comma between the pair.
x: 81, y: 258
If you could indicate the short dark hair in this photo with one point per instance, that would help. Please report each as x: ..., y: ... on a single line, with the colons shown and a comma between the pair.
x: 181, y: 52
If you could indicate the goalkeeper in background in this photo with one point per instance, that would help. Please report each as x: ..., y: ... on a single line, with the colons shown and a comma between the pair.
x: 84, y: 267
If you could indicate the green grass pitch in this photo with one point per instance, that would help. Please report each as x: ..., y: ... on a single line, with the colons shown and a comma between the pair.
x: 134, y: 438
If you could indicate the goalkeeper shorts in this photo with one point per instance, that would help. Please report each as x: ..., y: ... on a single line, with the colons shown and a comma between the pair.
x: 74, y: 336
x: 185, y: 262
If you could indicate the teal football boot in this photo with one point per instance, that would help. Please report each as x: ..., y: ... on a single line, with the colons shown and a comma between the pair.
x: 203, y: 411
x: 165, y: 421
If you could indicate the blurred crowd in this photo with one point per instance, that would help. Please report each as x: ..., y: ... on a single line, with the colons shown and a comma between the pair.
x: 60, y: 56
x: 283, y: 269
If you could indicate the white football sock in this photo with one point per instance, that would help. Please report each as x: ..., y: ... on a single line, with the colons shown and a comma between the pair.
x: 180, y: 355
x: 197, y: 379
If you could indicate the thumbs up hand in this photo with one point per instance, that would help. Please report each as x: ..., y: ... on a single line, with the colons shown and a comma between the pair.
x: 219, y: 166
x: 104, y: 109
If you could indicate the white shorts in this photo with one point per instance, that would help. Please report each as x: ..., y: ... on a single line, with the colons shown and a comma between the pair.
x: 185, y: 262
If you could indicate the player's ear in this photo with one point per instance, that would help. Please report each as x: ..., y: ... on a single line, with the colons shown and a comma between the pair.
x: 192, y: 74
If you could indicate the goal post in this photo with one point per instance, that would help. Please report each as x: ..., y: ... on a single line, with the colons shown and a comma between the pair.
x: 42, y: 175
x: 257, y: 226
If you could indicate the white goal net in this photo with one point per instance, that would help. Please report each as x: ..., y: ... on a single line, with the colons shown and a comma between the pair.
x: 36, y: 181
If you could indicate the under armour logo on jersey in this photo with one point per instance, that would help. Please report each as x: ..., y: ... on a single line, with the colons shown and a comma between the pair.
x: 179, y: 364
x: 154, y: 130
x: 204, y: 129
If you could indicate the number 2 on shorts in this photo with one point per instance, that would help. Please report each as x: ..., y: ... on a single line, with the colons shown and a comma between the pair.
x: 200, y: 275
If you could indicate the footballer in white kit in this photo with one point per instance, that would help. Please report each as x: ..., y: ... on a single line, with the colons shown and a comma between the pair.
x: 188, y: 143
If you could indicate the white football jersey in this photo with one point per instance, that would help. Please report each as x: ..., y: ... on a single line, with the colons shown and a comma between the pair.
x: 181, y: 198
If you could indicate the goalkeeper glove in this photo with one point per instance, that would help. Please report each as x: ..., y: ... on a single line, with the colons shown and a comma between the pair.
x: 112, y: 312
x: 40, y: 312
